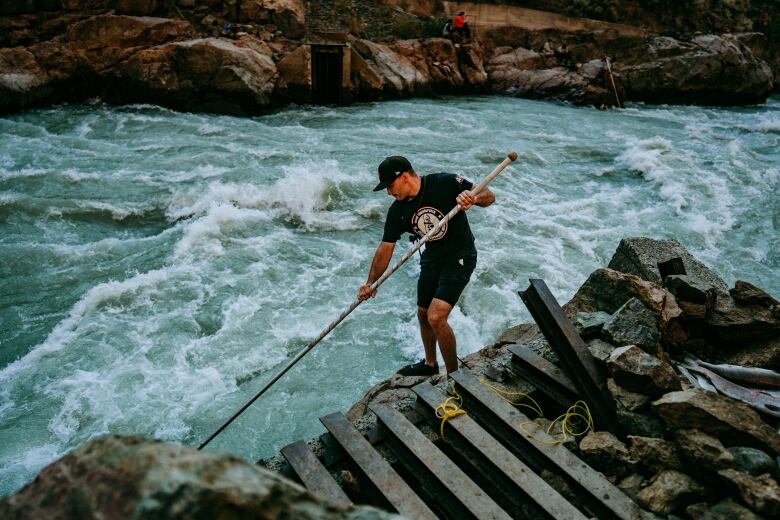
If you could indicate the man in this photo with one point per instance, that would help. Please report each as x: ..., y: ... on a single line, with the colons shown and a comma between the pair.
x: 449, y: 258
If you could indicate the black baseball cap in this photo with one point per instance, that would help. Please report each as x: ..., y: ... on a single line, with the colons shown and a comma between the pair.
x: 390, y: 169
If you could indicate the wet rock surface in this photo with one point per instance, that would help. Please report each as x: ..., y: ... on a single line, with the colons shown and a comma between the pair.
x: 130, y: 477
x: 55, y: 51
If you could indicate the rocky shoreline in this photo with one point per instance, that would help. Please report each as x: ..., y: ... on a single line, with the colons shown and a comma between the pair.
x: 696, y: 447
x: 184, y: 57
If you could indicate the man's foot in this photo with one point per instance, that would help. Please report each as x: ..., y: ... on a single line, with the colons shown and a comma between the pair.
x: 419, y: 369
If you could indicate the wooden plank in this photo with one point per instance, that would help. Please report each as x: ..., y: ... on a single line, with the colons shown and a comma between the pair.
x: 394, y: 493
x: 513, y: 480
x: 546, y: 377
x: 577, y: 361
x: 454, y: 492
x: 600, y: 498
x: 312, y: 473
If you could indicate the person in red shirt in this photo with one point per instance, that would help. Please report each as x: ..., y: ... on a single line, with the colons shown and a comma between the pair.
x: 459, y: 26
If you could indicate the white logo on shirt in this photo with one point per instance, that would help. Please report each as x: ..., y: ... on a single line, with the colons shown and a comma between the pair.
x: 426, y: 219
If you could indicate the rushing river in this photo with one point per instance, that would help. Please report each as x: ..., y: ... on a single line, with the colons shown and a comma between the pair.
x: 156, y: 268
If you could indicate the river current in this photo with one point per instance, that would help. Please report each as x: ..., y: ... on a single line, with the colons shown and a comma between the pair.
x: 156, y: 268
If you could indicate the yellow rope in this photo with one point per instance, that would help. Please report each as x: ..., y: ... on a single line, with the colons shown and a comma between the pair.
x: 577, y: 412
x: 507, y: 396
x: 567, y: 422
x: 450, y: 408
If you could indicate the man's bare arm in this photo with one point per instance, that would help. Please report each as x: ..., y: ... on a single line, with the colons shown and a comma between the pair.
x: 378, y: 266
x: 484, y: 199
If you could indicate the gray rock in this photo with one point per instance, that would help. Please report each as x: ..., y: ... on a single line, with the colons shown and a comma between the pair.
x: 626, y: 399
x: 734, y: 423
x: 730, y: 321
x: 747, y: 293
x: 753, y: 462
x: 631, y: 485
x: 654, y: 454
x: 642, y: 424
x: 726, y: 509
x: 670, y: 490
x: 761, y: 494
x: 689, y: 290
x: 589, y: 324
x: 607, y: 290
x: 600, y: 349
x: 543, y: 349
x: 702, y: 453
x: 638, y: 371
x: 640, y: 256
x: 633, y: 324
x: 717, y: 70
x: 130, y: 477
x: 607, y: 454
x: 593, y: 69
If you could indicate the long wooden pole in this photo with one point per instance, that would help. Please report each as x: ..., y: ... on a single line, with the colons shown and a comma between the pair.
x: 612, y: 78
x: 454, y: 211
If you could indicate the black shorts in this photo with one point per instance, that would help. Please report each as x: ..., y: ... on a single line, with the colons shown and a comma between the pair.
x: 444, y: 280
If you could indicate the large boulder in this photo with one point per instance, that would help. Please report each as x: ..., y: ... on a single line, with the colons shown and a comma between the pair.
x: 636, y: 370
x: 210, y: 74
x: 607, y: 290
x: 670, y: 490
x: 130, y: 477
x: 22, y: 79
x: 103, y: 41
x: 633, y: 324
x: 732, y: 422
x: 399, y: 75
x: 703, y: 454
x: 731, y: 322
x: 710, y: 69
x: 640, y: 256
x: 289, y: 16
x: 553, y: 83
x: 761, y: 494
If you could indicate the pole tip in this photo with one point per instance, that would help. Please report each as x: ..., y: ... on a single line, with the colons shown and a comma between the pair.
x: 512, y: 156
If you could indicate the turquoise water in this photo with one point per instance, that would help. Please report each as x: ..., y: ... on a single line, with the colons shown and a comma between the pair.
x: 156, y: 267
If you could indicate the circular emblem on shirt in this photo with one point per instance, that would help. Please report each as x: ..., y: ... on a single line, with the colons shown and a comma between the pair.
x: 425, y: 219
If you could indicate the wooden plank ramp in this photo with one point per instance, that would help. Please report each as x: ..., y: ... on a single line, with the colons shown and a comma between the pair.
x: 511, y: 481
x: 392, y: 492
x: 312, y: 474
x: 516, y: 432
x: 454, y: 492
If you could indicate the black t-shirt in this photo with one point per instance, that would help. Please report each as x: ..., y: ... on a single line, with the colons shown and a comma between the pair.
x: 435, y: 199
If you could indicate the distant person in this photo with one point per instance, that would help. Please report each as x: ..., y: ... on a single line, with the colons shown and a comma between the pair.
x: 563, y: 55
x: 446, y: 31
x: 547, y: 49
x: 458, y: 26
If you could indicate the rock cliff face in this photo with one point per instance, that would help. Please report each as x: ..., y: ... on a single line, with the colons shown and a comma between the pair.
x: 129, y: 477
x: 184, y: 56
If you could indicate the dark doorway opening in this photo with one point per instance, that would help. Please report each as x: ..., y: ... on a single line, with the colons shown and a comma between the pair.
x: 326, y: 63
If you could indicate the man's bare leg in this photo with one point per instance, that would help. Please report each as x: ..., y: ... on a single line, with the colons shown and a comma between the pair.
x: 428, y: 336
x: 438, y: 313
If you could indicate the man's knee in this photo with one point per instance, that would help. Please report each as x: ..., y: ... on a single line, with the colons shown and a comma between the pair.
x: 437, y: 315
x: 422, y: 315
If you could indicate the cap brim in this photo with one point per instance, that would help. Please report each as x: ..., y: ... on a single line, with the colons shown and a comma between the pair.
x: 382, y: 186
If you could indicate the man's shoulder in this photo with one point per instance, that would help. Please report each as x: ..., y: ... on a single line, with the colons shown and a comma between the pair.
x: 445, y: 177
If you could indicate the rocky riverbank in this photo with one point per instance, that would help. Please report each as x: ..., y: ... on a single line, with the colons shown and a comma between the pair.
x: 699, y: 445
x: 182, y: 55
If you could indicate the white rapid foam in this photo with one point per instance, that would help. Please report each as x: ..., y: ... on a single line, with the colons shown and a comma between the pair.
x: 159, y: 267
